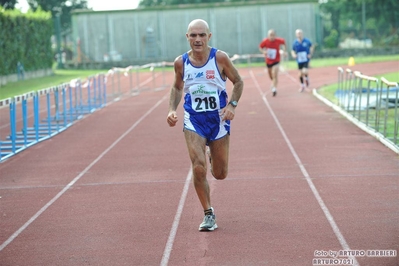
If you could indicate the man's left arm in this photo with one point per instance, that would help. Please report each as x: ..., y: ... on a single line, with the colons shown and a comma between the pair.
x: 238, y: 85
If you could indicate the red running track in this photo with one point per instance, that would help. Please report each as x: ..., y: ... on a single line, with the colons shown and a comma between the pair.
x: 114, y: 189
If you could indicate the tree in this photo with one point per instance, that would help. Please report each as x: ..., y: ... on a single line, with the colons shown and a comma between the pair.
x: 8, y: 4
x: 61, y: 14
x: 373, y: 19
x: 63, y: 8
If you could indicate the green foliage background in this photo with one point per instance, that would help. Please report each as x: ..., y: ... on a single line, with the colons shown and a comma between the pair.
x: 363, y: 19
x: 25, y: 38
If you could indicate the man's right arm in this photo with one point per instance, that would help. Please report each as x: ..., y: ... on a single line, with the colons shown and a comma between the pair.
x: 176, y: 92
x: 293, y: 51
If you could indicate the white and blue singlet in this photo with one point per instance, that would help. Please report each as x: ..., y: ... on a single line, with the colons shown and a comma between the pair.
x: 204, y: 97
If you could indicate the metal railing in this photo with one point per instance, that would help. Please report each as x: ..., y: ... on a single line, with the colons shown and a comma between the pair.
x: 372, y: 101
x: 36, y: 116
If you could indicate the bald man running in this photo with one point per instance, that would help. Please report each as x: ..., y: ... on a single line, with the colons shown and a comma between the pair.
x: 201, y: 75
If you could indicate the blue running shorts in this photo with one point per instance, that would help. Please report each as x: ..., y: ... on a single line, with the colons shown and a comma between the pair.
x: 208, y: 125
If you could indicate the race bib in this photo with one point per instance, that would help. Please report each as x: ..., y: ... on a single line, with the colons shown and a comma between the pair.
x: 271, y: 53
x: 302, y: 57
x: 204, y: 98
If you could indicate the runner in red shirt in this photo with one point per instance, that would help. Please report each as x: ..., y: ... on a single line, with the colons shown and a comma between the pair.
x: 270, y: 47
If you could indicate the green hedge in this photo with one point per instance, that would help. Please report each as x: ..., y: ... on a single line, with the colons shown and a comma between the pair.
x: 25, y: 38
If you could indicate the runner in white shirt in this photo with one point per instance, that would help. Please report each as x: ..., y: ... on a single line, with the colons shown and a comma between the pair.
x: 201, y: 75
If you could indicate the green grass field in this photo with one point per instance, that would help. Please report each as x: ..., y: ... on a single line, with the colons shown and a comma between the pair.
x: 328, y: 92
x: 61, y: 76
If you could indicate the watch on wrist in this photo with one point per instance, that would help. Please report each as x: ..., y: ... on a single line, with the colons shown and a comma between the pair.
x: 233, y: 103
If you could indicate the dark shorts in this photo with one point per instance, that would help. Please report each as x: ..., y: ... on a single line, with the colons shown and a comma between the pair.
x: 272, y: 64
x: 303, y: 65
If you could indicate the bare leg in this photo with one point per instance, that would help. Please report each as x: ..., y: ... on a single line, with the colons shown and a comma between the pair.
x: 304, y: 71
x: 196, y: 149
x: 301, y: 81
x: 220, y: 157
x: 274, y: 70
x: 305, y: 76
x: 269, y: 71
x: 219, y: 150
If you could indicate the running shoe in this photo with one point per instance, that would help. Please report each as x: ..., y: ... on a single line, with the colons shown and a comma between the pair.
x: 274, y: 91
x: 209, y: 223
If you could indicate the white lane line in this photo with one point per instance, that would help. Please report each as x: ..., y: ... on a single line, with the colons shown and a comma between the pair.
x: 176, y: 221
x: 323, y: 206
x: 45, y: 207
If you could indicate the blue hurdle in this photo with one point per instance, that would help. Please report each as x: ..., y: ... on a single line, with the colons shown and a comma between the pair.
x: 61, y: 107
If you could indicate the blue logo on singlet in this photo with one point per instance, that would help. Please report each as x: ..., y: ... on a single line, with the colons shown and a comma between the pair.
x: 199, y: 75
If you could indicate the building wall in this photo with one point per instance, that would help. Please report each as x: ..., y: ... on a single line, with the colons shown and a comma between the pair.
x: 142, y: 36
